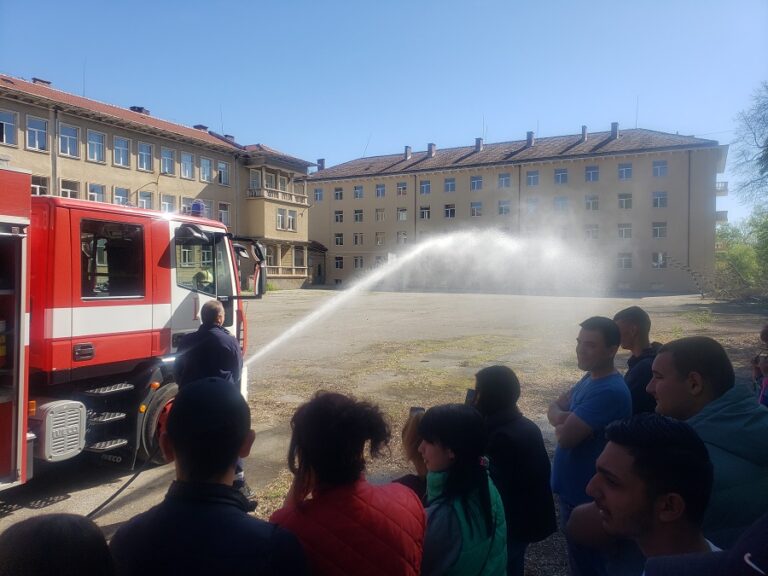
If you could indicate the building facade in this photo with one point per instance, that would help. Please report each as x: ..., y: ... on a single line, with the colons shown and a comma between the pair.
x: 81, y: 148
x: 642, y: 201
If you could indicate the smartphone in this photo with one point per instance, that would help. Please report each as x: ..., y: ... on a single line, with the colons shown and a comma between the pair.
x: 469, y: 399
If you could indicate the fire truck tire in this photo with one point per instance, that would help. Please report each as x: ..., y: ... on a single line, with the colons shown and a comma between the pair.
x: 152, y: 422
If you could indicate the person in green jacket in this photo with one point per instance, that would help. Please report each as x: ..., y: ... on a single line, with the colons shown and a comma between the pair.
x: 466, y: 530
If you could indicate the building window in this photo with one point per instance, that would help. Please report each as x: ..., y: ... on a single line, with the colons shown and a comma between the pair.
x: 223, y: 169
x: 318, y: 194
x: 224, y: 213
x: 282, y: 183
x: 206, y: 170
x: 96, y: 142
x: 357, y: 238
x: 271, y: 255
x: 280, y: 222
x: 659, y: 168
x: 475, y: 208
x: 298, y: 257
x: 339, y: 264
x: 532, y: 177
x: 186, y: 205
x: 625, y: 230
x: 591, y: 174
x: 659, y: 260
x: 358, y: 215
x: 69, y: 137
x: 145, y: 200
x: 625, y: 201
x: 292, y: 220
x: 37, y: 134
x: 357, y: 192
x: 167, y: 161
x: 449, y: 185
x: 561, y: 175
x: 145, y: 157
x: 560, y: 204
x: 338, y: 239
x: 7, y: 128
x: 591, y: 231
x: 39, y: 186
x: 121, y: 152
x: 659, y: 199
x: 402, y: 214
x: 402, y: 188
x: 207, y: 208
x: 531, y: 205
x: 379, y: 238
x: 338, y: 216
x: 402, y: 237
x: 69, y: 189
x: 120, y: 196
x: 269, y: 180
x: 381, y: 190
x: 504, y: 207
x: 96, y: 192
x: 624, y: 260
x: 425, y: 187
x: 424, y: 212
x: 449, y: 211
x: 167, y: 203
x: 358, y: 262
x: 187, y: 166
x: 505, y: 180
x: 338, y: 193
x: 625, y: 171
x: 475, y: 183
x: 659, y: 230
x: 379, y: 214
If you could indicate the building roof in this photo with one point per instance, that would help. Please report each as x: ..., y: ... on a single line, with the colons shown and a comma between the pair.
x: 516, y: 152
x: 256, y: 150
x: 19, y: 89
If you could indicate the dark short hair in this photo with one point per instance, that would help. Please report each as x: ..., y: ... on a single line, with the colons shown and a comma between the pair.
x: 635, y: 316
x: 210, y: 311
x: 669, y: 456
x: 207, y: 426
x: 329, y: 436
x: 606, y: 327
x: 705, y: 356
x: 498, y: 389
x: 65, y: 544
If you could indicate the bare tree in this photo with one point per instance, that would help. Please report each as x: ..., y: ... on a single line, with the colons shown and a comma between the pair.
x: 751, y: 143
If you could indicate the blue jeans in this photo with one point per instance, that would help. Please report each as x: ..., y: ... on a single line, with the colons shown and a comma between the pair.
x: 516, y: 557
x: 582, y: 561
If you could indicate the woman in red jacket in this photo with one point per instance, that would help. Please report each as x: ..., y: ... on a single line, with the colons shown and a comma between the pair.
x: 346, y: 525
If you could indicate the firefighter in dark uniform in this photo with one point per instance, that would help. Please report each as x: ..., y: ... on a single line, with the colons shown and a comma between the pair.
x: 212, y: 352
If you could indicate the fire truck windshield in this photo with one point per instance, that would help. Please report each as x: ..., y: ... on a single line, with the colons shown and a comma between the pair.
x: 204, y: 265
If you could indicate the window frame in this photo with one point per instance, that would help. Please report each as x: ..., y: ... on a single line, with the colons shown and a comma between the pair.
x: 95, y: 146
x: 476, y: 209
x: 592, y: 173
x: 338, y: 216
x: 222, y: 176
x: 14, y: 131
x: 625, y: 171
x: 101, y: 189
x: 69, y: 190
x: 115, y: 149
x: 425, y: 187
x: 449, y: 211
x: 226, y: 211
x: 338, y: 239
x: 338, y: 193
x: 660, y: 168
x: 561, y: 176
x: 163, y: 159
x: 591, y: 231
x: 475, y: 183
x: 660, y: 199
x: 142, y: 196
x: 402, y: 188
x: 115, y: 196
x: 140, y: 155
x: 402, y: 214
x: 505, y: 180
x: 69, y: 139
x: 532, y: 178
x: 381, y: 190
x: 37, y: 131
x: 190, y: 165
x: 357, y: 215
x: 449, y: 185
x: 504, y: 207
x: 208, y: 162
x: 357, y: 192
x: 425, y: 212
x: 560, y: 204
x: 624, y: 261
x: 380, y: 215
x: 624, y: 230
x: 318, y: 192
x: 658, y: 230
x: 592, y: 202
x: 35, y: 188
x: 164, y: 203
x: 625, y: 201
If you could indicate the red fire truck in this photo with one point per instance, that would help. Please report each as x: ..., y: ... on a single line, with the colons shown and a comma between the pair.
x: 94, y: 299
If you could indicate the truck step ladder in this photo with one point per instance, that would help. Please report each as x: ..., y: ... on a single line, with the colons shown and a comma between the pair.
x: 109, y: 389
x: 107, y: 445
x: 105, y: 417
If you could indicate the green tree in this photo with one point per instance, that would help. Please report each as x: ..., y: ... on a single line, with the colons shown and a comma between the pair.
x: 751, y: 149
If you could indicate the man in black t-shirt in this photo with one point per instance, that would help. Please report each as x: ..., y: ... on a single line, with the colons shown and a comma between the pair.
x: 635, y: 327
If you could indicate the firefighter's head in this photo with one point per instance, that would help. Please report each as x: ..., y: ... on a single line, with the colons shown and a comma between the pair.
x: 208, y: 428
x: 212, y: 313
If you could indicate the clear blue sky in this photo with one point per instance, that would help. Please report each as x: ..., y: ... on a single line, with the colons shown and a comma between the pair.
x: 341, y: 79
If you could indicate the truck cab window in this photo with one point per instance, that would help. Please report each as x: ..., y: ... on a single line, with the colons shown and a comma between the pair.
x: 195, y: 268
x: 112, y: 259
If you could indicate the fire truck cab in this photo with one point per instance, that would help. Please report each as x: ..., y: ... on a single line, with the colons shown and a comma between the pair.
x: 95, y: 300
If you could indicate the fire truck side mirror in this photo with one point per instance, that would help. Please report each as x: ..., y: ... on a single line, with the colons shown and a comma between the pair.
x: 191, y: 234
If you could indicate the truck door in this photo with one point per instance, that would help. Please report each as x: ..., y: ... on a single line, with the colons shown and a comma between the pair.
x: 202, y: 271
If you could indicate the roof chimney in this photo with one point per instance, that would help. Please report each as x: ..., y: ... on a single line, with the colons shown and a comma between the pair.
x: 614, y: 130
x: 41, y: 81
x: 320, y: 164
x: 202, y: 127
x: 478, y: 144
x: 431, y: 149
x: 407, y: 154
x: 530, y: 140
x: 229, y: 137
x: 140, y: 110
x: 583, y: 132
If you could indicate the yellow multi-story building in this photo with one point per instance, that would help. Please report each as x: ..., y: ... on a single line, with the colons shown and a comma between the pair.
x: 81, y: 148
x: 644, y: 201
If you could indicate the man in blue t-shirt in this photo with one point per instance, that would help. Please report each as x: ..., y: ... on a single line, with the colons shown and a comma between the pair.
x: 580, y: 416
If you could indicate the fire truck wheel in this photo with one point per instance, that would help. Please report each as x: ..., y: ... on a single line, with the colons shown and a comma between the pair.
x: 154, y: 421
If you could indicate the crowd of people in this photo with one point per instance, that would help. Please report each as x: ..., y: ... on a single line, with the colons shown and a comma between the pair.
x: 661, y: 470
